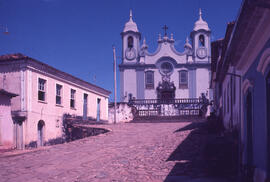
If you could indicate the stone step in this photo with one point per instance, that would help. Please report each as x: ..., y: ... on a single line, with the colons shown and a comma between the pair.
x: 169, y: 119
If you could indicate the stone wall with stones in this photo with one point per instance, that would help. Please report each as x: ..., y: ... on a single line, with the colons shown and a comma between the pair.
x: 124, y: 113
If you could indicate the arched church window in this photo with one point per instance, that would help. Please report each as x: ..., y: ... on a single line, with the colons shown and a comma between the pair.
x: 149, y: 80
x: 183, y: 79
x: 130, y: 42
x: 166, y: 68
x: 201, y: 41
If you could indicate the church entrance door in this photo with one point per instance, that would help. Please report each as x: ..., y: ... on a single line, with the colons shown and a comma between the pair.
x: 268, y: 121
x: 167, y: 95
x: 166, y: 91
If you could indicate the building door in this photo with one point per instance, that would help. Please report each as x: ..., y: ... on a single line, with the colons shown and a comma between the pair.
x: 0, y: 130
x: 18, y: 127
x: 85, y: 96
x: 268, y: 121
x: 249, y: 119
x: 40, y: 127
x: 98, y: 109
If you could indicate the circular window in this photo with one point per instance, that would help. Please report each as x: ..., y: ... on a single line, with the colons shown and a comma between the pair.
x: 166, y: 68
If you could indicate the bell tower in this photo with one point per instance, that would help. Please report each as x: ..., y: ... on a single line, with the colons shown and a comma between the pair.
x: 200, y: 37
x: 130, y: 42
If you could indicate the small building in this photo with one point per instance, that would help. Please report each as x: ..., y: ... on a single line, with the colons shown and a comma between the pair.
x: 6, y: 122
x: 241, y: 83
x: 45, y: 95
x: 166, y: 73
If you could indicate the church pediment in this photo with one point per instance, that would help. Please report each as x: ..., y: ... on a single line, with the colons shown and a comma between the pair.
x: 165, y: 49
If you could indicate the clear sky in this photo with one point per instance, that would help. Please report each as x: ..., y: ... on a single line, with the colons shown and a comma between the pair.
x: 76, y: 36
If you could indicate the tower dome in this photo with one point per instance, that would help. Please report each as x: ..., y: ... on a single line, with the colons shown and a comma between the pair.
x: 200, y: 24
x: 130, y: 25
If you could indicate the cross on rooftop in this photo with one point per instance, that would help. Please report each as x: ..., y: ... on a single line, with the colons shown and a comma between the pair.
x: 165, y: 28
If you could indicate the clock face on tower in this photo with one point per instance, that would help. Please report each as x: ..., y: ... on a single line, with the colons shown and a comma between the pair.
x: 130, y: 53
x: 201, y: 52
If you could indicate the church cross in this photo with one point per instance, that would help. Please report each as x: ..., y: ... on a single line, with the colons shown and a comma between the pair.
x: 165, y: 28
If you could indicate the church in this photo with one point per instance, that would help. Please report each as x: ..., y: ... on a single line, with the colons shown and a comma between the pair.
x: 166, y: 73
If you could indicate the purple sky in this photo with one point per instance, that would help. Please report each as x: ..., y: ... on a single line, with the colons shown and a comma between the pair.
x: 76, y: 36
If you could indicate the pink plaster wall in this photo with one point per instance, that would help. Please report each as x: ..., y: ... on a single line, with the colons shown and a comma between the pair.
x: 11, y: 83
x: 6, y: 123
x: 51, y: 113
x: 24, y: 82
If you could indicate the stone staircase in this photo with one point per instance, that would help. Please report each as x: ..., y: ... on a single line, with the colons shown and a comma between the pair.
x: 167, y: 119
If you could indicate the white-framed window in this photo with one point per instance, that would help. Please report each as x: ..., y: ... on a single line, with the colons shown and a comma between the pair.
x: 41, y: 89
x: 58, y: 98
x: 149, y: 80
x: 183, y: 79
x: 72, y: 98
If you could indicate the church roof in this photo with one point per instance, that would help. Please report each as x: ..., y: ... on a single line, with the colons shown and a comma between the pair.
x: 201, y: 24
x: 131, y: 25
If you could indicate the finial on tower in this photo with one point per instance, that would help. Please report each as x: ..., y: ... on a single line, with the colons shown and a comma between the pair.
x: 171, y: 36
x: 144, y: 46
x: 187, y: 40
x: 200, y: 13
x: 130, y: 14
x: 159, y: 36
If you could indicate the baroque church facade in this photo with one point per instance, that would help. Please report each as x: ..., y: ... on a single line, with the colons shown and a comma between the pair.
x: 165, y: 73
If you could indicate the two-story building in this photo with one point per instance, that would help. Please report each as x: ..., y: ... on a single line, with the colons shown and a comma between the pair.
x: 45, y: 95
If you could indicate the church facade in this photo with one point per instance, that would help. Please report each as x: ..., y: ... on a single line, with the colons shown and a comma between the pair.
x: 165, y: 73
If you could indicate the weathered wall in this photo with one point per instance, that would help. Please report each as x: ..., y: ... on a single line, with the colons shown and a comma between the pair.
x: 12, y: 74
x: 123, y: 113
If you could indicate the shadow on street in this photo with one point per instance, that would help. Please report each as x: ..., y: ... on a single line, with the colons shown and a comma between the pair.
x: 204, y: 154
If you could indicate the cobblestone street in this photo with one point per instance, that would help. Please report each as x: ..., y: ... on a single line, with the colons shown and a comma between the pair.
x: 130, y: 152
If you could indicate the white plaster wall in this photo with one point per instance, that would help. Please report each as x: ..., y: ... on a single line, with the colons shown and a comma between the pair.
x: 6, y: 123
x: 202, y: 81
x: 130, y: 83
x: 51, y: 113
x: 12, y: 75
x: 236, y: 104
x: 226, y: 114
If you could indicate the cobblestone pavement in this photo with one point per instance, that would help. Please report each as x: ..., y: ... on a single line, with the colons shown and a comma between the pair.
x: 130, y: 152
